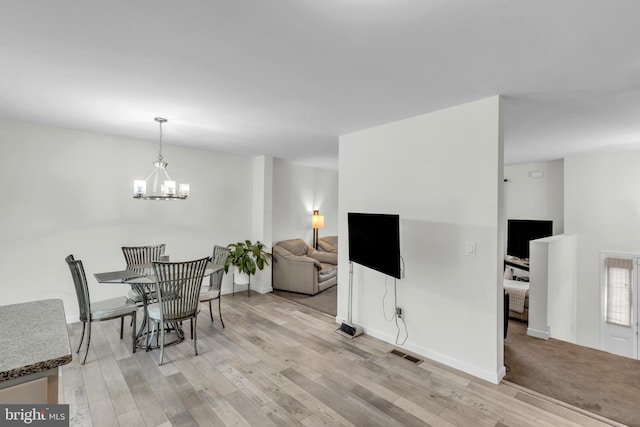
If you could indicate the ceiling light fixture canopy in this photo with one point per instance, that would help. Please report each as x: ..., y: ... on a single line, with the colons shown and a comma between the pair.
x: 159, y: 185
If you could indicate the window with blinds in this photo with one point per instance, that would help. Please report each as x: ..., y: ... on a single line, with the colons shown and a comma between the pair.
x: 618, y: 291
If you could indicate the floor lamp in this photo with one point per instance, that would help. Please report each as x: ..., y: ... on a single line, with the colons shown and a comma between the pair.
x: 317, y: 222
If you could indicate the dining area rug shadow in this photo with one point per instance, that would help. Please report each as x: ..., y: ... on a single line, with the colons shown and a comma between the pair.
x: 596, y: 381
x: 325, y: 301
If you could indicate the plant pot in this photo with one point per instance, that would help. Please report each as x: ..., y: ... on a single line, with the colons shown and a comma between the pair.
x: 240, y: 278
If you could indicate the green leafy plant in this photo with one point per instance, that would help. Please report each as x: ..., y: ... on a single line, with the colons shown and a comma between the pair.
x: 247, y: 257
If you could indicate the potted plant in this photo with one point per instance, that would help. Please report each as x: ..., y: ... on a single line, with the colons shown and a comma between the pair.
x: 247, y: 258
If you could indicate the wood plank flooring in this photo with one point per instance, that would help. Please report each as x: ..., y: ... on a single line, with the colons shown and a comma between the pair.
x: 281, y: 364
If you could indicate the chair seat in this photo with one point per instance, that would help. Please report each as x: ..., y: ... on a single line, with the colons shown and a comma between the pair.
x: 112, y: 308
x: 135, y: 296
x: 328, y: 272
x: 208, y: 295
x: 153, y: 311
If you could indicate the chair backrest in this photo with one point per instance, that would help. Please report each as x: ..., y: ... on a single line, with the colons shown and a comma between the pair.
x: 295, y: 246
x: 328, y: 243
x: 135, y: 255
x: 82, y: 289
x: 178, y: 287
x: 218, y: 260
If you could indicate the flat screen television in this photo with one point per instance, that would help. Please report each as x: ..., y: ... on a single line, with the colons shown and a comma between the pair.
x: 374, y: 242
x: 521, y: 231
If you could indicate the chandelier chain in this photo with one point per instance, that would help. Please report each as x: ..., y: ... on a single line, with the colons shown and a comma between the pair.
x: 160, y: 152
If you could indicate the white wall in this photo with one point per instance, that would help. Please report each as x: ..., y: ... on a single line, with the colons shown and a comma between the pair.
x: 562, y: 291
x: 602, y: 208
x: 552, y: 294
x: 297, y: 191
x: 262, y: 217
x: 442, y: 173
x: 71, y: 192
x: 535, y: 198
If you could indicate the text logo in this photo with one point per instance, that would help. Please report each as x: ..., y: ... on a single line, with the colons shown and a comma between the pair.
x: 34, y: 415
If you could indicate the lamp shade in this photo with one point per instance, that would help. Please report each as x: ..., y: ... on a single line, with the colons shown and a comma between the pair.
x: 317, y: 221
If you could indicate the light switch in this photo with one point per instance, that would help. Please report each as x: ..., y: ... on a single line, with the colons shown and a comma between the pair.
x: 471, y: 248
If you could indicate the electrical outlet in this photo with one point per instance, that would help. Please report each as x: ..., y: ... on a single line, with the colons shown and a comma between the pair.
x: 399, y: 312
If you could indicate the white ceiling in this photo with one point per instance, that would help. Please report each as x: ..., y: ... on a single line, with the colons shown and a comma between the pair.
x: 287, y: 77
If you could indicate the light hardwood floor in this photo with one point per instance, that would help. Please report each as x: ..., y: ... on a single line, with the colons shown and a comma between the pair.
x: 281, y: 364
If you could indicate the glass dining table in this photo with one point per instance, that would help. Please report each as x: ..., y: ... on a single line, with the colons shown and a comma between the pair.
x: 142, y: 279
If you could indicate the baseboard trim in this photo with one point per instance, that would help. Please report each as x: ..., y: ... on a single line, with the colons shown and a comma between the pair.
x: 543, y: 335
x: 243, y: 288
x: 492, y: 377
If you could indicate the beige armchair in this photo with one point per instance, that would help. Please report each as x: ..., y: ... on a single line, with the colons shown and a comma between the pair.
x: 297, y: 267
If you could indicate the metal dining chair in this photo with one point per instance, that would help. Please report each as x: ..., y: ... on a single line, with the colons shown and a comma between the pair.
x: 101, y: 310
x: 141, y: 255
x: 177, y: 291
x: 211, y: 293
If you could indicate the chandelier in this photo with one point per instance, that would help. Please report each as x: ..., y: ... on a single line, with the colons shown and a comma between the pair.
x: 159, y: 185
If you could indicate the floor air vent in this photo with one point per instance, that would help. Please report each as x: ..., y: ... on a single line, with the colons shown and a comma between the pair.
x: 405, y: 356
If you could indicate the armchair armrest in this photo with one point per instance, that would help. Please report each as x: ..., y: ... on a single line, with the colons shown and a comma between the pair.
x: 325, y: 257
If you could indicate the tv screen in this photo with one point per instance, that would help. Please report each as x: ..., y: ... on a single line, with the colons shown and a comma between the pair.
x: 374, y: 242
x: 521, y: 231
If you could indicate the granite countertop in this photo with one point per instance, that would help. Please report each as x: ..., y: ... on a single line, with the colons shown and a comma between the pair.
x: 33, y: 338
